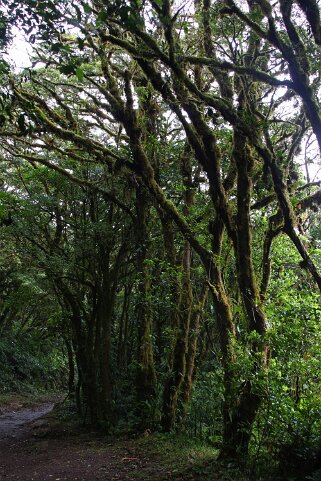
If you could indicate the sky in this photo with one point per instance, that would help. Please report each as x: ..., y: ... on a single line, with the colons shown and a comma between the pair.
x: 19, y: 52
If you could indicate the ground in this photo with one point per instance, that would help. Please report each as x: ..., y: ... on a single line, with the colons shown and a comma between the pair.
x: 36, y: 446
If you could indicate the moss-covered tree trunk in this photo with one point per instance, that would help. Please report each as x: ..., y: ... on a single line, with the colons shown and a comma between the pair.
x: 182, y: 301
x: 85, y: 362
x: 123, y: 338
x: 105, y: 321
x: 71, y: 366
x: 177, y: 366
x: 191, y: 368
x: 146, y: 375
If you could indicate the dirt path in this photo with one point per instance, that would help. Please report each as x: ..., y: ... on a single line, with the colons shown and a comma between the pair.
x: 28, y: 454
x: 13, y: 424
x: 30, y: 450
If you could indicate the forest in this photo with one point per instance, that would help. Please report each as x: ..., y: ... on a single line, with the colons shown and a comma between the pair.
x: 160, y: 189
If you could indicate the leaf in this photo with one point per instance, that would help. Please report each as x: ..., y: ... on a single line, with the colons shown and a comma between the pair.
x: 81, y: 43
x: 87, y: 8
x: 3, y: 119
x: 4, y: 67
x: 78, y: 13
x: 101, y: 18
x: 22, y: 123
x: 56, y: 47
x: 67, y: 69
x: 80, y: 74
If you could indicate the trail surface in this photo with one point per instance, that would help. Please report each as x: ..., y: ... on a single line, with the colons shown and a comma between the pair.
x: 34, y: 448
x: 13, y: 424
x: 27, y: 453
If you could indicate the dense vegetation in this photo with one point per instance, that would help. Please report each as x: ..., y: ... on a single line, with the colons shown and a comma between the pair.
x: 159, y: 215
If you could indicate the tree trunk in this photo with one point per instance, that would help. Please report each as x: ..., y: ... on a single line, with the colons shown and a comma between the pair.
x: 241, y: 407
x: 178, y: 365
x: 146, y: 375
x: 71, y: 367
x: 105, y: 381
x: 190, y: 370
x: 123, y: 330
x: 84, y: 356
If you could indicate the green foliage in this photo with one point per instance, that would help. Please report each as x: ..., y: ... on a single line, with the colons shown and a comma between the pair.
x: 289, y: 421
x: 204, y: 413
x: 30, y: 365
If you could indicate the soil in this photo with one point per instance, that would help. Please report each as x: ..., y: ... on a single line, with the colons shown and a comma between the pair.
x: 29, y: 452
